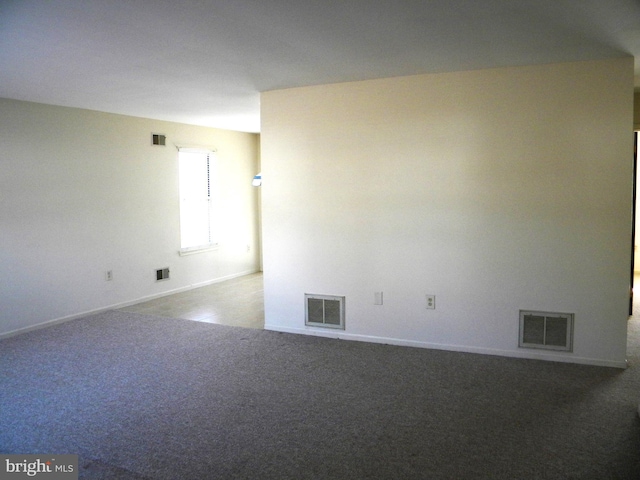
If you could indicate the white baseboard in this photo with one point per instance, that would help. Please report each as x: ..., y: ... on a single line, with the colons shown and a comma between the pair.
x: 181, y: 289
x: 114, y: 306
x: 330, y: 333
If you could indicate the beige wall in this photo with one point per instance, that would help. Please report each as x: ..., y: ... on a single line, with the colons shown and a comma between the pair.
x: 495, y: 190
x: 84, y: 192
x: 636, y: 110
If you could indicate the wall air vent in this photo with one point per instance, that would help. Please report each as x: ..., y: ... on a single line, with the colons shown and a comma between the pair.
x: 157, y: 139
x: 546, y: 330
x: 162, y: 274
x: 324, y: 311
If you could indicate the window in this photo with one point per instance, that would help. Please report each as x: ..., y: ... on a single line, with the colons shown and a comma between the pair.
x: 197, y: 200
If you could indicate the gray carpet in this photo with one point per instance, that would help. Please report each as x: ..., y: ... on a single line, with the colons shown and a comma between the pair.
x: 144, y: 397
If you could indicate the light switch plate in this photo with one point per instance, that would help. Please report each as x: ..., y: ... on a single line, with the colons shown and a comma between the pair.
x: 377, y: 298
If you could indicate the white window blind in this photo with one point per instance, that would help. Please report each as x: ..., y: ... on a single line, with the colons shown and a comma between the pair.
x: 197, y: 200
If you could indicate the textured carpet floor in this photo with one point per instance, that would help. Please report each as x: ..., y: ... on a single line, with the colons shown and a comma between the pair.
x: 144, y: 397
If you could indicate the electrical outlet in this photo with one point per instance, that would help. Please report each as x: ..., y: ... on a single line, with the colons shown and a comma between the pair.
x: 431, y: 302
x: 108, y: 276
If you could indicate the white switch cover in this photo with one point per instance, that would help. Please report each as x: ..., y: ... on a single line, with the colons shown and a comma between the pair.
x: 377, y: 298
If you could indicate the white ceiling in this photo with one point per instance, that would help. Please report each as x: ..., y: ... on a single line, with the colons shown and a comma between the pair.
x: 205, y: 62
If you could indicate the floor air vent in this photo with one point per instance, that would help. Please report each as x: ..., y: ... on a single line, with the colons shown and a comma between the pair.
x: 551, y: 331
x: 324, y: 311
x: 162, y: 274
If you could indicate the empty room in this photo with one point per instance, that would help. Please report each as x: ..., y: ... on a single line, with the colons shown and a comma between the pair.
x: 293, y: 239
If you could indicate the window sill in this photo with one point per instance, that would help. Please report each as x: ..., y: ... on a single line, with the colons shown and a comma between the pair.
x: 198, y: 249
